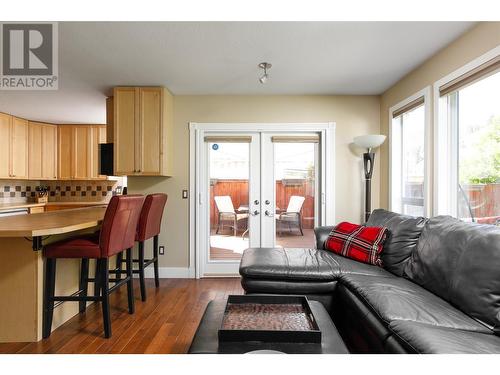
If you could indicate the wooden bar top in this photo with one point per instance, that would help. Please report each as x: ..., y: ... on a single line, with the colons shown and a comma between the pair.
x: 54, y: 222
x: 12, y: 206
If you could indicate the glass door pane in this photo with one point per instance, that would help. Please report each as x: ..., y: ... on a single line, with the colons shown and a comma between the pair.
x: 295, y: 187
x: 229, y: 172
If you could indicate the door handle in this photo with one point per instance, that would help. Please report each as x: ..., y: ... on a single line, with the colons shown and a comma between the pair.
x: 269, y: 213
x: 255, y: 213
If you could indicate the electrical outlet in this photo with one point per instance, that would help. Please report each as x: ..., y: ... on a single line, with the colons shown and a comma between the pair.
x: 161, y: 250
x: 184, y: 194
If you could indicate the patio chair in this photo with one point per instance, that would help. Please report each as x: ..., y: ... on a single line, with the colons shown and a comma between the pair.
x: 293, y: 214
x: 227, y: 213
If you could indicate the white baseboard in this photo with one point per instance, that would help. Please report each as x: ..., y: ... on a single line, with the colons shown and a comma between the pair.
x: 168, y: 273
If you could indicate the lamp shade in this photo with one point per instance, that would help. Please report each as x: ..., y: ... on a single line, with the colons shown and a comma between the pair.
x: 369, y: 141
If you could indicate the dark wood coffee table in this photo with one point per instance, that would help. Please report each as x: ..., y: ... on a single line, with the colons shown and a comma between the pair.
x: 206, y: 339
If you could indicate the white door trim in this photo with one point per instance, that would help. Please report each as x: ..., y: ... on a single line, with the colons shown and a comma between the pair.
x: 327, y: 158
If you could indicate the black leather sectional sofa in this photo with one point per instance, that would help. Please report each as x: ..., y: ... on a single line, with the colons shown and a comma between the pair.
x: 439, y: 290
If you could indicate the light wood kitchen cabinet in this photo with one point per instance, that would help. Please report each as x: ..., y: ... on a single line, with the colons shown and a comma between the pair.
x: 81, y: 152
x: 78, y: 147
x: 143, y: 129
x: 98, y: 136
x: 64, y: 146
x: 5, y: 121
x: 14, y: 147
x: 19, y: 149
x: 42, y: 151
x: 36, y: 210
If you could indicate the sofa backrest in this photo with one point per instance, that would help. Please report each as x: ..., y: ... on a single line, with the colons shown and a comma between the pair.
x: 321, y: 234
x: 460, y: 262
x: 403, y: 234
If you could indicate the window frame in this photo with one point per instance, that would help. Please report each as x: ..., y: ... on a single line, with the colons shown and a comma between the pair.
x: 395, y: 175
x: 445, y: 174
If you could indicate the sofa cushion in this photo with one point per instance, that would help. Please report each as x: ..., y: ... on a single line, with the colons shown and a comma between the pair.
x: 402, y: 237
x: 289, y: 264
x: 396, y: 298
x: 301, y: 265
x: 460, y: 262
x: 349, y: 266
x: 274, y: 286
x: 357, y: 242
x: 425, y: 338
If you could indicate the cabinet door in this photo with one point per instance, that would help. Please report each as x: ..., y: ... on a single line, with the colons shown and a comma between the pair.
x: 49, y: 152
x: 5, y: 121
x: 125, y: 113
x: 19, y: 152
x: 35, y: 147
x: 81, y: 152
x: 64, y: 145
x: 150, y: 131
x: 98, y: 136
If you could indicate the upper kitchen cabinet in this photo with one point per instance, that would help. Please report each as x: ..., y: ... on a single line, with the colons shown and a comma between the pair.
x: 5, y: 121
x: 98, y: 135
x: 13, y: 147
x: 78, y: 147
x: 143, y: 130
x: 42, y: 151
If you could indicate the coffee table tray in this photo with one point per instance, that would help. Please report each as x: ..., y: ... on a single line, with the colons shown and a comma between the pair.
x: 269, y: 318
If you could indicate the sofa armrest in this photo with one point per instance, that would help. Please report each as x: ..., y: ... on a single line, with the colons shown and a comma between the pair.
x: 321, y: 234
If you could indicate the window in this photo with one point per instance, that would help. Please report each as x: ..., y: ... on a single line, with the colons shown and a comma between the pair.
x: 408, y: 156
x: 471, y: 113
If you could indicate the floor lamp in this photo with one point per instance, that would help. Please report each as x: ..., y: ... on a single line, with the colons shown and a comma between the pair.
x: 370, y: 142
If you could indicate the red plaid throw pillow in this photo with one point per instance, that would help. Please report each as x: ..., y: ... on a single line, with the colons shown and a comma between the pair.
x: 357, y: 242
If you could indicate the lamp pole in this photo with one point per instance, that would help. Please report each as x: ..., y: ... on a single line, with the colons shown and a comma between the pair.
x: 368, y: 159
x: 369, y: 142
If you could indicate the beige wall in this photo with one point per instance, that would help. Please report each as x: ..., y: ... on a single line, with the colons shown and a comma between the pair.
x: 474, y: 43
x: 354, y: 115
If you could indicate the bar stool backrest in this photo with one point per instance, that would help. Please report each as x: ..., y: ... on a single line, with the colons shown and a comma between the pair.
x: 119, y: 224
x: 150, y: 218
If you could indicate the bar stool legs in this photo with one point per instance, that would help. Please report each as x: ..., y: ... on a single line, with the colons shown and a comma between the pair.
x: 48, y: 300
x: 84, y: 283
x: 101, y: 291
x: 130, y: 282
x: 155, y: 258
x: 119, y: 261
x: 141, y: 271
x: 104, y: 286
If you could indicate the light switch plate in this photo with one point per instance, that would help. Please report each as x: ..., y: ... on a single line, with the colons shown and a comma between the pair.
x: 184, y: 194
x: 161, y: 250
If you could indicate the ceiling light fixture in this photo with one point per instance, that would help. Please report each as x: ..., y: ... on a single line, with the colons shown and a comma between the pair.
x: 265, y: 66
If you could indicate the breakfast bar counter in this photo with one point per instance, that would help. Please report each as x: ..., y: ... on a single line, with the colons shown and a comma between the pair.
x: 22, y: 265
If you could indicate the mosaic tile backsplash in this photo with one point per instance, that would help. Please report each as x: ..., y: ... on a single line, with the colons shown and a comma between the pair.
x: 12, y: 191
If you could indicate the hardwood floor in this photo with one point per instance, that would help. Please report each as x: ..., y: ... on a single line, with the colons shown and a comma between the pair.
x: 165, y: 323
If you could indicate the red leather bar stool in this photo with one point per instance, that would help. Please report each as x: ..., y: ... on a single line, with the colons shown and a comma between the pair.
x: 149, y: 226
x: 116, y: 236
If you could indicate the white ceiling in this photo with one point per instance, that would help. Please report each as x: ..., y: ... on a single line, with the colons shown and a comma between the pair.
x: 218, y: 58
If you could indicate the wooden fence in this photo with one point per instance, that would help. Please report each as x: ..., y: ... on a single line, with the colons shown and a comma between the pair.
x: 484, y: 200
x: 238, y: 191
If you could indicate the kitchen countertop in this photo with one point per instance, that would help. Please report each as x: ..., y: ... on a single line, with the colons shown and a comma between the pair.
x: 53, y: 222
x: 12, y: 206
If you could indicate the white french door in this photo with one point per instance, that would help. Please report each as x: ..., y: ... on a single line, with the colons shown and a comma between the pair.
x: 262, y: 188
